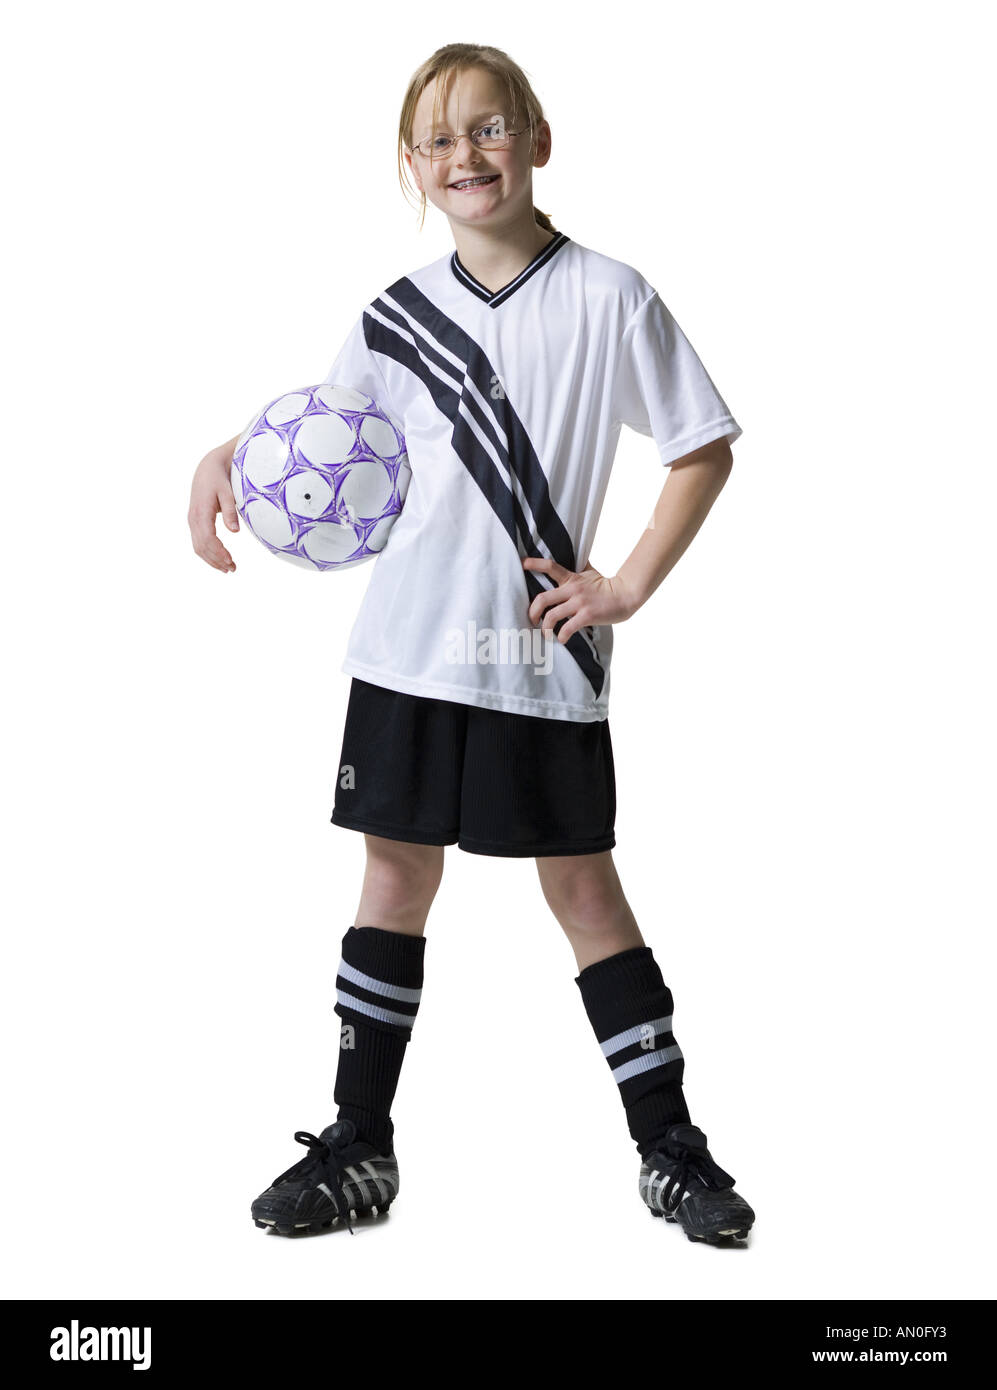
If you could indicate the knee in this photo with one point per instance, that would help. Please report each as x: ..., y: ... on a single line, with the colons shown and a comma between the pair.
x: 586, y: 900
x: 402, y: 874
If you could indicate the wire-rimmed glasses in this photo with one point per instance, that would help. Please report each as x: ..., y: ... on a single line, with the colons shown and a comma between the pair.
x: 490, y: 136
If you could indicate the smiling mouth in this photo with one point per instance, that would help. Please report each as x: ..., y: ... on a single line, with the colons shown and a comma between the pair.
x: 481, y: 181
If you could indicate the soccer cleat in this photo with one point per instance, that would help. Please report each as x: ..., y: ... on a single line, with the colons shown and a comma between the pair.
x: 680, y: 1181
x: 340, y: 1176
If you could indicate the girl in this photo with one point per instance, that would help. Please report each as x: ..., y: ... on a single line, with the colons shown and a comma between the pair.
x: 478, y: 711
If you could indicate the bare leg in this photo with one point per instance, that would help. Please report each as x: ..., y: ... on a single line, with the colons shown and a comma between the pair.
x: 382, y: 965
x: 399, y: 886
x: 585, y: 895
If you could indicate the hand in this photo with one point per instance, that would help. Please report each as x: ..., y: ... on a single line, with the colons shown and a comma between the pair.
x: 585, y: 597
x: 211, y: 493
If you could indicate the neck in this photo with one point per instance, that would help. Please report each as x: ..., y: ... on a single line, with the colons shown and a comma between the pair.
x: 496, y: 255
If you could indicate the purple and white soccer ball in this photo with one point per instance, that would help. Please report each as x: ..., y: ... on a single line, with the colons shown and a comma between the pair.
x: 320, y: 476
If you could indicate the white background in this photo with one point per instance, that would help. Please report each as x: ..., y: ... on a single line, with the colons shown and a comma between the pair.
x: 202, y: 199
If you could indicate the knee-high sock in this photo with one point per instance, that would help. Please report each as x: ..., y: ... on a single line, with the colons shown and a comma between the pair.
x: 378, y: 988
x: 630, y: 1008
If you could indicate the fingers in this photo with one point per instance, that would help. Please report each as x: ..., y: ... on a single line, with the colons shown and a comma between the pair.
x: 218, y: 557
x: 543, y: 601
x: 206, y: 543
x: 540, y: 562
x: 572, y: 617
x: 230, y: 515
x: 554, y: 615
x: 574, y: 625
x: 556, y: 606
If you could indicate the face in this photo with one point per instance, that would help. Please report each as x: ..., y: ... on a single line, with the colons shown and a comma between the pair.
x: 473, y: 99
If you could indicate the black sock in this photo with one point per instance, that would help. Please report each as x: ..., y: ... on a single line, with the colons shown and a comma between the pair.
x: 630, y: 1008
x: 378, y: 988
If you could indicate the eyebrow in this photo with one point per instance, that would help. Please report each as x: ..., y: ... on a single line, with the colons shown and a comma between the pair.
x: 482, y: 116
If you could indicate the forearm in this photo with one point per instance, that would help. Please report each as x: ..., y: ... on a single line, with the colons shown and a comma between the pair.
x: 224, y: 452
x: 686, y: 498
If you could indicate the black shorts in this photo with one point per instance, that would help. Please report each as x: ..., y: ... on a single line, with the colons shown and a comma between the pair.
x: 436, y: 772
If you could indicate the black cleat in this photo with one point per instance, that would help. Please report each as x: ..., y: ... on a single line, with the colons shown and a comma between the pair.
x: 341, y: 1176
x: 680, y: 1181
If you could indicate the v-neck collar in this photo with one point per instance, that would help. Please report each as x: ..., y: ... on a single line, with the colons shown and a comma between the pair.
x: 493, y: 298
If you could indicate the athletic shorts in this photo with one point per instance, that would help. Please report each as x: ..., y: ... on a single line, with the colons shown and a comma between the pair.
x: 435, y: 772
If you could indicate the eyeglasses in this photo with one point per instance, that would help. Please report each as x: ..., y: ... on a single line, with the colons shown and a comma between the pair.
x: 491, y: 136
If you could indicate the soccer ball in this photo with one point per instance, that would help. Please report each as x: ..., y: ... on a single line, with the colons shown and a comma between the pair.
x: 320, y: 476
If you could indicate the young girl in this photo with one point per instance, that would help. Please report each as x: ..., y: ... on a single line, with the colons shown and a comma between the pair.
x: 480, y: 656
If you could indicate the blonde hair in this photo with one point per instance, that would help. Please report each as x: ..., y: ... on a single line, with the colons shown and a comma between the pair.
x: 456, y: 58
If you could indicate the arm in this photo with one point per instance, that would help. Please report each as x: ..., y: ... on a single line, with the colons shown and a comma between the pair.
x: 588, y: 598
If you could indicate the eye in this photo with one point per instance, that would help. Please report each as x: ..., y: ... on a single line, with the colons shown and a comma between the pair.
x: 440, y: 142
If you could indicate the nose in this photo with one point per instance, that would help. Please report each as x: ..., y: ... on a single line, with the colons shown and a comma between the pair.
x: 472, y: 148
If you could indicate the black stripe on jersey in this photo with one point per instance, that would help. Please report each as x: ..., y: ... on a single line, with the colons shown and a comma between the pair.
x: 518, y: 452
x: 493, y: 298
x: 520, y: 456
x: 447, y: 398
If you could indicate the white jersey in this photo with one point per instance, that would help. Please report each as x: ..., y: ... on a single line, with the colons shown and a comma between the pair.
x: 511, y: 403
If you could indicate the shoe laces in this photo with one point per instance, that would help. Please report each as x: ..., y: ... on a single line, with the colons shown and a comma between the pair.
x: 691, y: 1163
x: 325, y: 1159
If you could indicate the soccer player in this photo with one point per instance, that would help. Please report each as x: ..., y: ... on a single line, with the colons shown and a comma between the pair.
x: 480, y: 657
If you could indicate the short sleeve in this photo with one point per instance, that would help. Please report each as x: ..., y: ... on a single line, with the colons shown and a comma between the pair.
x: 357, y: 366
x: 662, y: 389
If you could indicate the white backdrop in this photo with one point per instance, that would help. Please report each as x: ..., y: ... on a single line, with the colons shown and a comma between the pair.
x: 804, y: 756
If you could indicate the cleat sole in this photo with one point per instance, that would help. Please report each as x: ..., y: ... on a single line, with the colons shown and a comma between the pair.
x: 725, y: 1236
x: 315, y: 1227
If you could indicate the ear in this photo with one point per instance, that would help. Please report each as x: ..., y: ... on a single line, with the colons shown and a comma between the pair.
x: 414, y: 171
x: 541, y: 153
